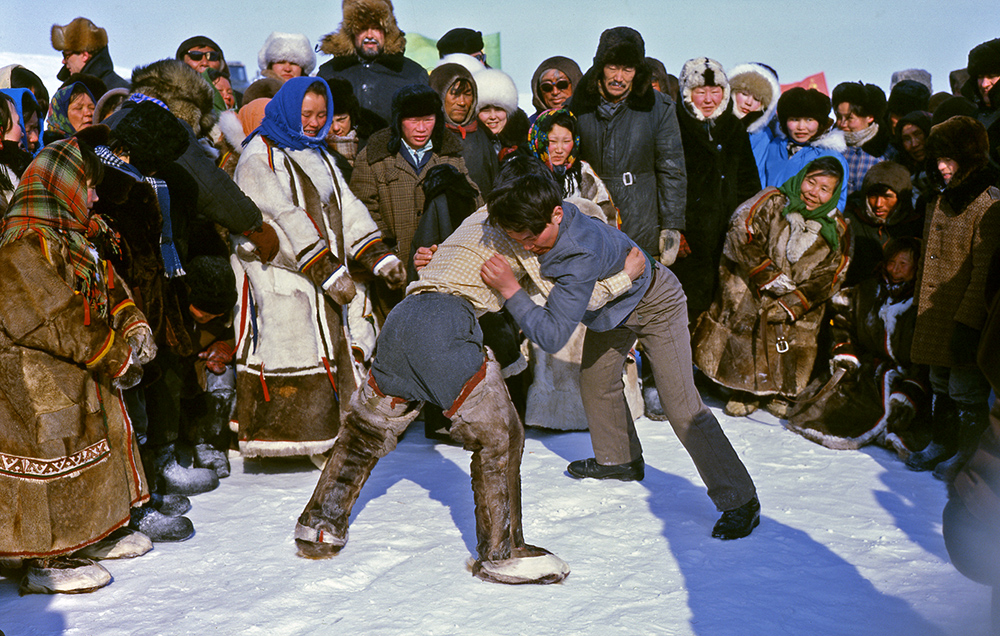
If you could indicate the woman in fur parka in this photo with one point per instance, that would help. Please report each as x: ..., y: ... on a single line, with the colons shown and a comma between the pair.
x: 293, y: 352
x: 756, y: 91
x: 785, y: 255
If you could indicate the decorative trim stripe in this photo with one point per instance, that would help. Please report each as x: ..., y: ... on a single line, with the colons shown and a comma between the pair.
x: 122, y: 306
x: 761, y: 267
x: 103, y: 351
x: 312, y: 261
x: 366, y: 245
x: 33, y: 468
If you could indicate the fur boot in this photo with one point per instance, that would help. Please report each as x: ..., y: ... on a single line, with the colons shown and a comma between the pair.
x: 212, y: 443
x: 370, y: 430
x: 63, y: 574
x: 941, y: 446
x: 166, y: 476
x: 971, y: 424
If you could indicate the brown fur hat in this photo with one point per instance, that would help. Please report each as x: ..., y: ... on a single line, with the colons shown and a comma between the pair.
x: 961, y: 139
x: 358, y: 16
x: 179, y: 86
x: 79, y: 35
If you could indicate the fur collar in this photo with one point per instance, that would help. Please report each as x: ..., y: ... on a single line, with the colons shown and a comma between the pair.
x: 832, y: 139
x: 587, y: 98
x: 188, y: 96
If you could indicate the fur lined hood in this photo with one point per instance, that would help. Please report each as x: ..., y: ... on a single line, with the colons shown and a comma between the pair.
x: 703, y: 71
x: 756, y: 80
x: 188, y: 96
x: 961, y: 139
x: 358, y: 16
x: 832, y: 139
x: 564, y: 65
x: 444, y: 76
x: 287, y: 47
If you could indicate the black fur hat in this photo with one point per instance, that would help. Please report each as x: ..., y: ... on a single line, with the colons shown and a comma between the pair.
x: 460, y: 40
x: 344, y: 100
x: 94, y: 84
x: 953, y: 107
x: 799, y: 102
x: 416, y: 100
x: 908, y: 96
x: 211, y: 284
x: 868, y: 97
x: 621, y: 45
x: 985, y: 59
x: 152, y: 136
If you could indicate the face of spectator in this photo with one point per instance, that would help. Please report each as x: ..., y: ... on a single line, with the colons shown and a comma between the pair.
x: 369, y: 43
x: 707, y: 98
x: 226, y: 90
x: 494, y: 118
x: 746, y: 104
x: 560, y: 145
x: 458, y: 102
x: 617, y: 81
x: 341, y: 124
x: 15, y: 133
x: 882, y: 203
x: 286, y: 70
x: 543, y: 241
x: 850, y: 122
x: 817, y: 189
x: 201, y: 57
x: 91, y: 195
x: 33, y: 129
x: 81, y: 111
x: 417, y: 130
x: 74, y: 61
x: 802, y: 129
x: 901, y: 268
x: 555, y: 88
x: 985, y: 83
x: 313, y: 114
x: 913, y: 141
x: 947, y: 168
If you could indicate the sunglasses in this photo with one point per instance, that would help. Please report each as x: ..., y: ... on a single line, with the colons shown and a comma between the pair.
x: 197, y: 55
x: 548, y: 87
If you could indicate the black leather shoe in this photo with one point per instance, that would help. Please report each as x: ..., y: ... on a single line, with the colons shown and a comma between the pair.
x: 584, y: 468
x: 739, y: 522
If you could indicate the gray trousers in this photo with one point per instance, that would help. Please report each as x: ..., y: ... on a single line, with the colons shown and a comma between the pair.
x: 659, y: 322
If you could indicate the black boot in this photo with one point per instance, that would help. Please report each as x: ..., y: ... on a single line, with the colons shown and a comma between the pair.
x: 943, y: 426
x: 211, y: 449
x: 739, y: 522
x: 971, y: 424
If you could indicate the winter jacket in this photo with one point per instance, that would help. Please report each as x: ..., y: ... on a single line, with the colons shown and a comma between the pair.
x: 100, y: 66
x: 760, y: 82
x: 721, y: 174
x: 735, y: 343
x: 988, y: 116
x: 780, y: 166
x: 375, y: 82
x: 637, y: 153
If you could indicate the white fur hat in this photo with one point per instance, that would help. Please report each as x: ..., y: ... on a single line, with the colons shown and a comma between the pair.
x: 496, y: 88
x: 462, y: 59
x: 287, y: 47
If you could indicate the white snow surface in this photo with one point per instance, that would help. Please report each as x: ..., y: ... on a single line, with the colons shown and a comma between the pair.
x: 849, y: 543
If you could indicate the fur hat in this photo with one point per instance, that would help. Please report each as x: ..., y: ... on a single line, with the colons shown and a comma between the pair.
x: 179, y: 86
x: 463, y: 59
x: 344, y: 100
x: 358, y: 16
x: 109, y: 103
x: 799, y: 102
x: 152, y: 135
x: 564, y: 65
x: 891, y: 175
x: 211, y: 283
x: 264, y: 87
x: 79, y: 35
x: 953, y: 107
x: 620, y: 45
x: 415, y: 100
x: 985, y: 59
x: 906, y: 97
x: 915, y: 74
x: 94, y: 84
x: 761, y: 82
x: 659, y: 73
x: 868, y: 97
x: 961, y: 139
x: 287, y: 47
x: 496, y: 88
x: 703, y: 71
x: 460, y: 40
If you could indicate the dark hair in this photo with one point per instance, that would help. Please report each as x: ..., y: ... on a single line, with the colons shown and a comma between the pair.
x: 461, y: 85
x: 93, y: 169
x: 826, y: 167
x: 564, y: 119
x: 21, y: 77
x: 880, y: 190
x: 6, y: 117
x: 900, y: 244
x: 319, y: 87
x: 523, y: 197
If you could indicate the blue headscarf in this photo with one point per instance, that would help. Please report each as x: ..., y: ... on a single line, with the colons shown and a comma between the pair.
x: 282, y: 123
x: 19, y: 95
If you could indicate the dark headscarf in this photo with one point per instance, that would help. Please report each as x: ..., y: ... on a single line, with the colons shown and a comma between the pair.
x: 58, y: 119
x: 282, y: 123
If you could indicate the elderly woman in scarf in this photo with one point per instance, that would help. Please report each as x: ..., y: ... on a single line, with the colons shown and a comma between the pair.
x: 69, y: 337
x: 293, y: 352
x: 71, y: 109
x: 786, y: 253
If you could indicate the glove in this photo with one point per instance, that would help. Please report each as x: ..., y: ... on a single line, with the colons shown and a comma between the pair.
x: 140, y: 338
x: 670, y: 244
x: 218, y: 356
x: 129, y: 376
x: 334, y: 280
x: 845, y: 361
x: 265, y: 239
x: 391, y: 269
x: 901, y: 412
x: 780, y: 286
x: 964, y: 344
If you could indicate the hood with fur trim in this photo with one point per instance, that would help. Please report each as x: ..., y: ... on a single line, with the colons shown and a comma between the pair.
x: 79, y: 35
x: 287, y: 47
x: 188, y: 96
x: 896, y: 177
x: 443, y: 77
x: 961, y: 139
x: 358, y: 16
x: 761, y: 83
x: 703, y: 71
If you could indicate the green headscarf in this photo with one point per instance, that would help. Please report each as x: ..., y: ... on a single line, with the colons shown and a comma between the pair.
x: 792, y: 189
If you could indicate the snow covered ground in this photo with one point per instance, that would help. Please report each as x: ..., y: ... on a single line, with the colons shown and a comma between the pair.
x: 849, y: 543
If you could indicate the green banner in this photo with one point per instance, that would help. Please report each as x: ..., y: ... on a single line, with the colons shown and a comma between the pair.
x: 423, y: 50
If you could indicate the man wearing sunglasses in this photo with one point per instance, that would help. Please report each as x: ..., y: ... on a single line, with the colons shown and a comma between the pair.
x: 202, y: 53
x: 84, y: 46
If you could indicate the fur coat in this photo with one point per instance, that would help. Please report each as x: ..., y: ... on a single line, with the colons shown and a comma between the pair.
x: 751, y: 339
x: 293, y: 356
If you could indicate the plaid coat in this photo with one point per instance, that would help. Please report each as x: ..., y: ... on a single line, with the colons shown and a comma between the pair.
x: 391, y: 188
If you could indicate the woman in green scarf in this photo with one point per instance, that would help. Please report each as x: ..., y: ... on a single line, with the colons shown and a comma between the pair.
x: 785, y: 255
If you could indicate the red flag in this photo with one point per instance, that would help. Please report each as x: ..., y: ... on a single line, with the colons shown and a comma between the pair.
x: 817, y: 81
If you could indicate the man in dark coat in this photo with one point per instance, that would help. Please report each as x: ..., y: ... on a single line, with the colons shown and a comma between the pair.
x: 722, y: 173
x: 983, y: 89
x: 84, y: 46
x: 368, y: 52
x: 629, y: 135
